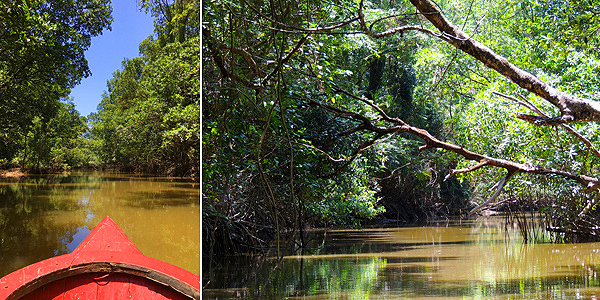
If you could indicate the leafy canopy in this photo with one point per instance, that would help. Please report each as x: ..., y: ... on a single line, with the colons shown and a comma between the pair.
x: 42, y: 44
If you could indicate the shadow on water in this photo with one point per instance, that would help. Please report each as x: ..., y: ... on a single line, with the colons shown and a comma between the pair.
x: 479, y: 259
x: 155, y: 199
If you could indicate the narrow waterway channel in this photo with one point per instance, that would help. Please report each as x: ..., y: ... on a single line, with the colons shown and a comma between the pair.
x: 45, y: 216
x: 480, y: 259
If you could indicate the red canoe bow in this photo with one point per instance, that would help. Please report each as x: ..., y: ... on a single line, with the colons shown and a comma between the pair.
x: 106, y: 265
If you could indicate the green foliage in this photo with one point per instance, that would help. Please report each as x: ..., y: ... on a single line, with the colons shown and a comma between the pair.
x: 175, y: 21
x: 42, y: 46
x: 271, y: 139
x: 56, y: 142
x: 148, y: 117
x: 566, y: 23
x: 345, y: 200
x: 541, y: 38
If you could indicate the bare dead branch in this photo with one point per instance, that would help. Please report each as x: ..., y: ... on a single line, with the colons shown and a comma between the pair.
x: 321, y: 151
x: 300, y: 29
x: 364, y: 146
x: 392, y: 31
x: 466, y: 170
x: 340, y: 112
x: 499, y: 187
x: 366, y: 101
x: 531, y: 106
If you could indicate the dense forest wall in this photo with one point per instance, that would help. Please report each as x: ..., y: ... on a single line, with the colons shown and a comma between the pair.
x: 42, y: 46
x: 147, y: 119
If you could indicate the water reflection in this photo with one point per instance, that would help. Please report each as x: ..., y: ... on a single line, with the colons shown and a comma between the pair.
x: 477, y: 260
x: 44, y: 216
x: 71, y: 241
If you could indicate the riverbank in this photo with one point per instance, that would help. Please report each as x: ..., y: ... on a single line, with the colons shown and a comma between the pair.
x: 18, y: 172
x: 12, y: 173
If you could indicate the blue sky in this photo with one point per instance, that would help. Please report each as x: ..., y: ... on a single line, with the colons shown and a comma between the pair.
x: 129, y: 28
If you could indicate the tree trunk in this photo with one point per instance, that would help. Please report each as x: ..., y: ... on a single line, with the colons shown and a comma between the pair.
x: 573, y: 109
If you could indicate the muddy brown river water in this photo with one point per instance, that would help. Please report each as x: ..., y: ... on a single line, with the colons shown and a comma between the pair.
x: 45, y: 216
x: 476, y: 259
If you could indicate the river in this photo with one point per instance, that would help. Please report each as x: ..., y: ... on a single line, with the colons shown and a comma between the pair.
x: 474, y: 259
x: 45, y: 216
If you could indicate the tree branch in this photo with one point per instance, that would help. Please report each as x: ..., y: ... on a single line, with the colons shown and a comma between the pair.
x: 285, y: 59
x: 573, y: 109
x: 400, y: 29
x: 319, y: 150
x: 300, y: 29
x: 364, y: 146
x: 247, y: 57
x: 216, y: 55
x: 466, y: 170
x: 397, y: 125
x: 534, y: 120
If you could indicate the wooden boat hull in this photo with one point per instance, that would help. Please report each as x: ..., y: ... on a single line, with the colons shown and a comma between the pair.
x: 106, y: 265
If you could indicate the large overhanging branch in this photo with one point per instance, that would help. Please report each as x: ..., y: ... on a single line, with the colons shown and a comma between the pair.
x: 397, y: 125
x: 432, y: 142
x: 572, y: 108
